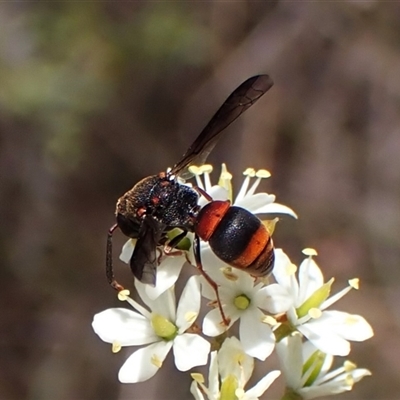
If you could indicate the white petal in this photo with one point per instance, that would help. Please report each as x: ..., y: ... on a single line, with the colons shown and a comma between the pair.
x: 211, y: 263
x: 123, y: 326
x: 189, y: 304
x: 256, y: 201
x: 284, y: 273
x: 289, y: 351
x: 167, y: 274
x: 313, y: 392
x: 275, y: 208
x: 258, y: 390
x: 308, y: 350
x: 244, y: 282
x: 196, y: 392
x: 127, y: 251
x: 310, y: 279
x: 213, y: 325
x: 213, y: 378
x: 144, y: 363
x: 338, y: 385
x: 360, y: 373
x: 349, y: 326
x: 216, y: 192
x: 163, y: 305
x: 322, y: 337
x: 257, y: 338
x: 232, y: 360
x: 206, y: 289
x: 273, y: 298
x: 190, y: 350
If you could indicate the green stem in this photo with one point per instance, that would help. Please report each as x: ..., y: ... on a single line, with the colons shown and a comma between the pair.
x: 291, y: 395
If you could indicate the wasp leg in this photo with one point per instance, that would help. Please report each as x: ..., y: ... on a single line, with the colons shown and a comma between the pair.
x: 212, y: 283
x: 174, y: 242
x: 109, y: 264
x: 203, y: 193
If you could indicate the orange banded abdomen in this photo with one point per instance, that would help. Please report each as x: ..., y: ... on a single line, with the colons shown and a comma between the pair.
x: 237, y: 237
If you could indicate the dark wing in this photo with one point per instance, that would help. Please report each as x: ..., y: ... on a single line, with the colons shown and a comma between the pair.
x: 237, y: 103
x: 144, y: 258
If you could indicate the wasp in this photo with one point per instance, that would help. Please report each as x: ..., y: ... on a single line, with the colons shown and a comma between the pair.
x: 159, y: 203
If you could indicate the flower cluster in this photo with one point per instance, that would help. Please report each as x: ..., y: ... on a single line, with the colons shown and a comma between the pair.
x: 290, y: 313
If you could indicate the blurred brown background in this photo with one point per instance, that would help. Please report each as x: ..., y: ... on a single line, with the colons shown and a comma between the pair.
x: 96, y: 95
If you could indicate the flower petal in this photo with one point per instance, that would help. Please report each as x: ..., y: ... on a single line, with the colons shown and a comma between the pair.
x: 196, y: 392
x: 256, y: 337
x: 261, y: 386
x: 211, y: 263
x: 308, y: 350
x: 213, y: 378
x: 167, y: 274
x: 244, y: 282
x: 144, y: 363
x: 273, y: 298
x: 284, y: 273
x: 256, y: 201
x: 189, y: 304
x: 213, y: 325
x: 126, y: 327
x: 127, y: 251
x: 310, y: 279
x: 349, y: 326
x: 289, y: 351
x: 275, y: 208
x: 232, y: 360
x: 216, y: 192
x: 322, y: 337
x: 190, y: 350
x: 163, y: 305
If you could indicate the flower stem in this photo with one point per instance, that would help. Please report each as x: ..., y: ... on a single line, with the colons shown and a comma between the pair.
x: 290, y: 395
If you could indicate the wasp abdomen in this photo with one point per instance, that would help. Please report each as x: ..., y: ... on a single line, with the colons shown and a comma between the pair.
x: 237, y: 237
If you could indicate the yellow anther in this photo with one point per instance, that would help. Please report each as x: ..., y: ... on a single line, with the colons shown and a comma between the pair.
x: 310, y: 252
x: 123, y: 295
x: 263, y: 173
x: 251, y: 172
x: 314, y: 313
x: 116, y: 347
x: 195, y: 170
x: 349, y: 366
x: 199, y: 378
x: 206, y: 168
x: 354, y: 283
x: 225, y: 174
x: 268, y: 319
x: 229, y: 274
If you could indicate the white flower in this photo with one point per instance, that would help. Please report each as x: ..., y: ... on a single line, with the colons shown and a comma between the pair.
x: 256, y: 203
x: 167, y: 271
x: 306, y: 370
x: 241, y: 299
x: 233, y: 368
x: 164, y: 327
x: 305, y: 302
